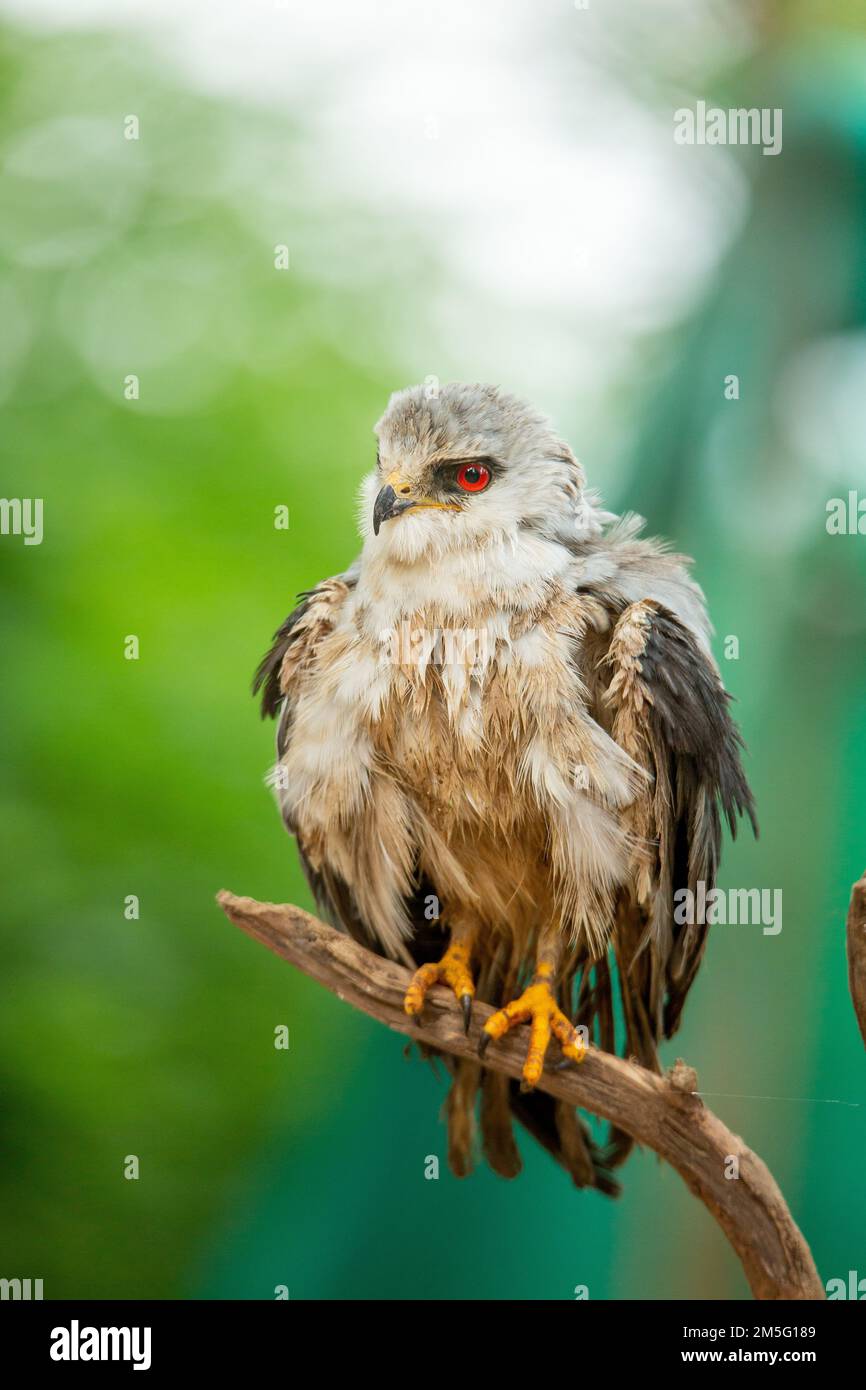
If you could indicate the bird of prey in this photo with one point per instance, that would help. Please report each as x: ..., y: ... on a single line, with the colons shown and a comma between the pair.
x: 503, y: 747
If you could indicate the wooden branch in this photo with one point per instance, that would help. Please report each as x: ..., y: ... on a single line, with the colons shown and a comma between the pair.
x: 856, y: 932
x: 663, y: 1113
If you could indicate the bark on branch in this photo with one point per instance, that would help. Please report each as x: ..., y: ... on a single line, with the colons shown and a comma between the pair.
x: 857, y: 952
x: 663, y: 1113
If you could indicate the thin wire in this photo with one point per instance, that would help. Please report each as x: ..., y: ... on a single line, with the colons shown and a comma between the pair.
x: 798, y: 1100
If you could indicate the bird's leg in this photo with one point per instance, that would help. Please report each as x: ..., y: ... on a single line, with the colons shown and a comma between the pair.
x: 454, y: 969
x: 537, y: 1006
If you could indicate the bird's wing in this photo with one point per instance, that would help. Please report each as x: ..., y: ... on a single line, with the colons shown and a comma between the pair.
x: 294, y: 645
x: 279, y: 676
x: 292, y: 652
x: 661, y: 697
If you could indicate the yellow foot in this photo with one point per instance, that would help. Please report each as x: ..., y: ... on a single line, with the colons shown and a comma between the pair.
x: 537, y: 1006
x: 453, y: 969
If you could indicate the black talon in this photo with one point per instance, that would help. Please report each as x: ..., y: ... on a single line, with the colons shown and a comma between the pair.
x: 565, y: 1065
x: 525, y: 1088
x: 483, y: 1043
x: 466, y: 1005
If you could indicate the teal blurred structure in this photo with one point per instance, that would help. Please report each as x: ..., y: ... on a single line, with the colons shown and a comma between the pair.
x: 258, y: 389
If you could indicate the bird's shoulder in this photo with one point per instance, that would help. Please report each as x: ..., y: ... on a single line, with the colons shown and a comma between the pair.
x: 296, y: 639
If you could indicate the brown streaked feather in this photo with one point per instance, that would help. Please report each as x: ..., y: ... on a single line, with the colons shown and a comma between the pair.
x: 295, y: 641
x: 497, y: 1133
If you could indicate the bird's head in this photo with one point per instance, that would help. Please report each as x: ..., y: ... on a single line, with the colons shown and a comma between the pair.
x: 465, y: 465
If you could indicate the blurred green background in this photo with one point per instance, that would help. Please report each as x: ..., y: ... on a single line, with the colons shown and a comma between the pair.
x: 439, y: 221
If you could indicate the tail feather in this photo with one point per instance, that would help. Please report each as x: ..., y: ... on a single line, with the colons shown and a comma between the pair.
x: 497, y: 1133
x: 561, y: 1131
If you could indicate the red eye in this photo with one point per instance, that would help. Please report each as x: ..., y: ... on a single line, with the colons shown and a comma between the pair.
x: 473, y: 477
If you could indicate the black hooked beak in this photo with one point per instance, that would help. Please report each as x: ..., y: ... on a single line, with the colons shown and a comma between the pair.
x: 386, y: 506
